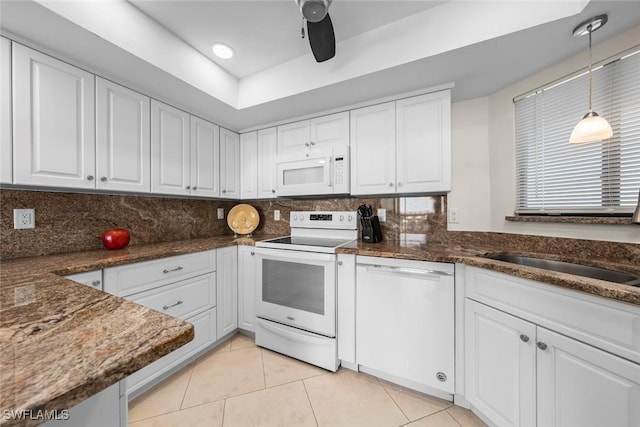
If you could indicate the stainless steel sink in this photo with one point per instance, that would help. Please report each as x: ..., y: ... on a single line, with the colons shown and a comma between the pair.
x: 570, y: 268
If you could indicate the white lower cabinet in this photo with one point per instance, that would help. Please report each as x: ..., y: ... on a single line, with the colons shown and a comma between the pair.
x: 227, y: 297
x: 105, y: 409
x: 346, y: 295
x: 500, y: 365
x: 89, y: 278
x: 520, y: 372
x: 246, y: 288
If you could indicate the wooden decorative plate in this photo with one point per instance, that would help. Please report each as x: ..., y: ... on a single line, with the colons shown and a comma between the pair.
x: 243, y: 219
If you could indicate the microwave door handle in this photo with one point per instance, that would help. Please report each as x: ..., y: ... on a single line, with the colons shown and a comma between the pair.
x: 332, y: 160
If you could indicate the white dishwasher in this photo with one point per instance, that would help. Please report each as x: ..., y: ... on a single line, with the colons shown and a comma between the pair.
x: 405, y: 323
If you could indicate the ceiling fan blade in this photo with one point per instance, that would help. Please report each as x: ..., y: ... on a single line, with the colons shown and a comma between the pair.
x: 322, y: 39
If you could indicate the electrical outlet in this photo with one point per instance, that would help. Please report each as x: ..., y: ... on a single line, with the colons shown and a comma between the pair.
x: 276, y: 215
x: 220, y: 213
x: 24, y: 218
x: 454, y: 216
x: 382, y: 215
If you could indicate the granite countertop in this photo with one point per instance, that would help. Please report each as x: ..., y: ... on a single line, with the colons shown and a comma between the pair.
x: 475, y: 256
x: 62, y: 342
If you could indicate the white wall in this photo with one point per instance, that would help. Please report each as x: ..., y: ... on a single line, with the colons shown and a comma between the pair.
x: 471, y: 170
x: 470, y: 185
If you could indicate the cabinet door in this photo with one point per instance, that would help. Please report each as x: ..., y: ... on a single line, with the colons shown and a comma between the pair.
x: 123, y: 143
x: 53, y: 121
x: 103, y: 409
x: 89, y: 278
x: 267, y: 145
x: 229, y: 164
x: 227, y: 298
x: 6, y: 168
x: 249, y: 165
x: 423, y: 143
x: 500, y: 371
x: 293, y: 137
x: 579, y: 385
x: 373, y: 156
x: 246, y: 288
x: 346, y: 289
x: 329, y: 131
x: 205, y: 158
x: 169, y: 149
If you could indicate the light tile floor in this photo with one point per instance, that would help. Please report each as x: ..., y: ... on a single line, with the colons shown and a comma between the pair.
x: 240, y: 384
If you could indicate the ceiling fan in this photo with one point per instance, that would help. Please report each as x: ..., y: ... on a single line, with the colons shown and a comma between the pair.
x: 319, y: 28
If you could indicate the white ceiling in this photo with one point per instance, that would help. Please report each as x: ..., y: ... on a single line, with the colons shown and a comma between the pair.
x: 267, y: 33
x: 161, y: 48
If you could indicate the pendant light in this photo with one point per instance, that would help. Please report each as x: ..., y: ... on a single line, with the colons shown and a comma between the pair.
x: 592, y: 127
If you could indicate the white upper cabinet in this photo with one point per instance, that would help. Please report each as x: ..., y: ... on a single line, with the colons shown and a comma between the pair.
x: 267, y: 151
x: 249, y: 165
x: 6, y: 168
x: 170, y: 173
x: 122, y: 138
x: 318, y: 133
x: 204, y: 158
x: 229, y: 164
x: 373, y: 155
x: 402, y: 147
x: 53, y: 122
x: 423, y: 143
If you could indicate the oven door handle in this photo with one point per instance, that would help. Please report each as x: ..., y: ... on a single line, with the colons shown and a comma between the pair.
x: 291, y: 255
x: 404, y: 271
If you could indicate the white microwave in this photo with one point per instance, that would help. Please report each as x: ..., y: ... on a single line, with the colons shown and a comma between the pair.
x: 313, y: 173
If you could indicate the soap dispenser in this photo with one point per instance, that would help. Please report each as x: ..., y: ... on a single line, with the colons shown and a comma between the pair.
x: 636, y: 215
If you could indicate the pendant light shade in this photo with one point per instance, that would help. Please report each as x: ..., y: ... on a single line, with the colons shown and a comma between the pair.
x: 592, y: 127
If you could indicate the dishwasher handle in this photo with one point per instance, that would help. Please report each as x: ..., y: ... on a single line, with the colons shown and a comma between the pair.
x: 405, y: 271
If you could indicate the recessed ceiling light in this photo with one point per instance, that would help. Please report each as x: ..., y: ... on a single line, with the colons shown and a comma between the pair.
x: 222, y: 50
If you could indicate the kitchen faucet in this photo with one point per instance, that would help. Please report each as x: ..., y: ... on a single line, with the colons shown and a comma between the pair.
x: 636, y: 215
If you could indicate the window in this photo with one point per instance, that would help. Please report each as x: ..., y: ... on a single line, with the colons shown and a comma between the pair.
x: 556, y: 177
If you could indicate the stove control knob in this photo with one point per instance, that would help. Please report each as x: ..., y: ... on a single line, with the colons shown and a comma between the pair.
x: 295, y: 217
x: 350, y: 218
x: 301, y: 217
x: 341, y: 217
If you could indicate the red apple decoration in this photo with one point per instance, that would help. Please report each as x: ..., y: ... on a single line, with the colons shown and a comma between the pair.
x: 116, y: 238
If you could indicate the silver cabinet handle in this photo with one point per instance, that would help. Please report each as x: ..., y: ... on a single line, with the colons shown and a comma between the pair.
x: 306, y: 144
x: 103, y: 179
x: 403, y: 270
x: 524, y: 338
x: 541, y: 345
x: 339, y: 262
x: 188, y: 187
x: 391, y: 184
x: 195, y: 188
x: 167, y: 307
x: 224, y: 191
x: 399, y: 184
x: 178, y: 268
x: 95, y: 283
x: 252, y: 253
x: 90, y: 178
x: 273, y: 191
x: 313, y: 143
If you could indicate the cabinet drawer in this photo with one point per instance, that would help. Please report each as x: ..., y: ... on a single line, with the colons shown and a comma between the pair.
x: 130, y: 279
x: 610, y: 325
x: 182, y: 299
x: 204, y: 325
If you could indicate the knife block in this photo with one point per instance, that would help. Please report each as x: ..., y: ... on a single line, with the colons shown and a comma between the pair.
x: 371, y: 232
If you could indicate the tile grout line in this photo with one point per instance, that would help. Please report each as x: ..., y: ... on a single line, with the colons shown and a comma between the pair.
x: 224, y: 410
x: 454, y: 418
x: 184, y: 394
x: 264, y: 373
x: 310, y: 404
x: 393, y: 400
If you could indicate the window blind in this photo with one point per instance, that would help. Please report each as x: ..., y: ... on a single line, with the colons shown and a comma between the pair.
x: 554, y: 176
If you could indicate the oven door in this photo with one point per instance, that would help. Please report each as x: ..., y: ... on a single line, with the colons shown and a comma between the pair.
x: 297, y: 288
x: 304, y: 176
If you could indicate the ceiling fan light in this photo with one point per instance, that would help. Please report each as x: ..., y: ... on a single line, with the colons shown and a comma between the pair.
x: 592, y: 128
x: 314, y: 10
x: 222, y: 50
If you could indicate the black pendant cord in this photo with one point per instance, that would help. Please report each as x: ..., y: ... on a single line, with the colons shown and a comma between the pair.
x: 590, y: 30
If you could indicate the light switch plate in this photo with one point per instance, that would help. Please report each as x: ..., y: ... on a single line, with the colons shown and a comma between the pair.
x: 24, y: 218
x: 454, y: 216
x: 276, y: 215
x: 220, y: 213
x: 382, y: 215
